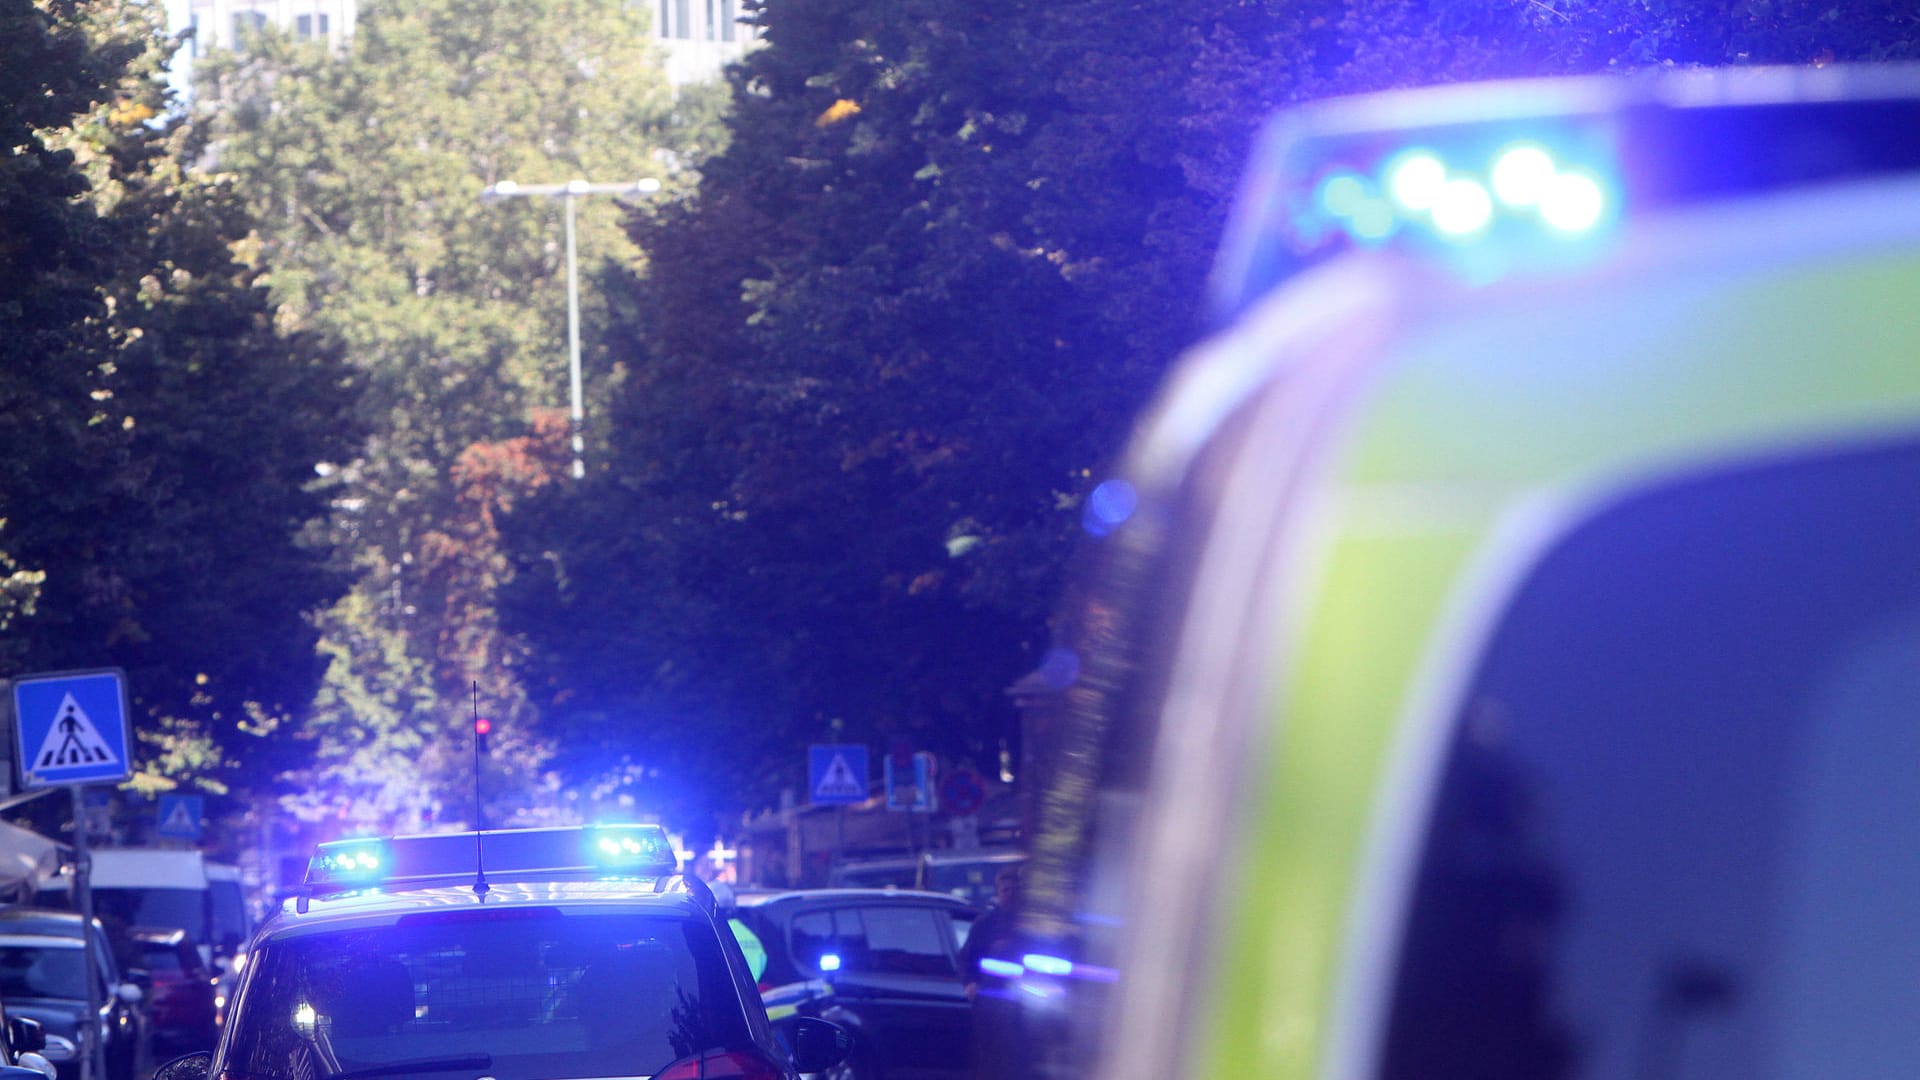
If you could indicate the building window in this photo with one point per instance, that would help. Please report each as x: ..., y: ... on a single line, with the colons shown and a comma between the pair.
x: 727, y: 18
x: 193, y: 36
x: 682, y: 19
x: 246, y: 24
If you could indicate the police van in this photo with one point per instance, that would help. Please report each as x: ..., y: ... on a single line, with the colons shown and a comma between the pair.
x: 1501, y: 655
x: 508, y: 954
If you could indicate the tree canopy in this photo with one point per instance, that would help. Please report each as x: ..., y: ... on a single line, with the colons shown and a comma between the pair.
x: 366, y: 169
x: 881, y: 355
x: 161, y: 429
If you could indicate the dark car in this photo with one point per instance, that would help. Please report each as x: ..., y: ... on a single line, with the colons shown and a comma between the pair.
x: 43, y: 977
x: 180, y: 991
x: 882, y: 963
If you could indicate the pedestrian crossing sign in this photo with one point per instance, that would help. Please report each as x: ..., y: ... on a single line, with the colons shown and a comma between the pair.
x: 70, y: 727
x: 837, y: 773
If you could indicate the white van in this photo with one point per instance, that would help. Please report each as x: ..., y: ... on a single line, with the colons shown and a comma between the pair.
x: 145, y: 887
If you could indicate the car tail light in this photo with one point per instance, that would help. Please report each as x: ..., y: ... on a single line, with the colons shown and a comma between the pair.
x: 723, y: 1065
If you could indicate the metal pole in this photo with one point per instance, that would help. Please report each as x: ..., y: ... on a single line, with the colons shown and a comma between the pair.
x: 568, y: 192
x: 92, y: 1053
x: 578, y: 422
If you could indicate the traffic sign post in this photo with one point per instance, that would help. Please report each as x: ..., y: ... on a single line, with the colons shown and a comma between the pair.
x: 70, y: 729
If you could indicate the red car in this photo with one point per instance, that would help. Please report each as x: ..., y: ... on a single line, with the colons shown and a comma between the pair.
x: 179, y: 986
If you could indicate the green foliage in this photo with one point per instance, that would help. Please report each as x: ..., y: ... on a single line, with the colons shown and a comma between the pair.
x: 878, y: 359
x: 161, y: 430
x: 366, y: 169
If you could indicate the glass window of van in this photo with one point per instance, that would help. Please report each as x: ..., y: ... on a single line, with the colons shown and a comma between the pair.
x: 1673, y: 832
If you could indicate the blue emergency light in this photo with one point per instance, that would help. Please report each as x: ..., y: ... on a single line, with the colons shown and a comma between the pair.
x: 1492, y: 179
x: 573, y: 853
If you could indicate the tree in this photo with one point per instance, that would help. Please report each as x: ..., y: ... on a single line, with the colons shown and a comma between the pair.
x: 162, y: 429
x: 878, y: 360
x: 368, y: 167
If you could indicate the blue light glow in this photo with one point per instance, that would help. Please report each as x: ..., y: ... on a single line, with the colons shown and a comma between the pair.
x: 1109, y: 506
x: 1416, y: 179
x: 829, y: 962
x: 1521, y: 174
x: 1003, y: 969
x: 1462, y: 208
x: 1342, y: 194
x: 1573, y: 202
x: 1373, y: 220
x: 1047, y: 965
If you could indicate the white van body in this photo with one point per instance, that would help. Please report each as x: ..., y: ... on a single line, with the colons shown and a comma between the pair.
x: 145, y: 887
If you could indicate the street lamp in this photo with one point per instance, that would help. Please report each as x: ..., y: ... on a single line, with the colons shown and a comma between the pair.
x: 567, y: 193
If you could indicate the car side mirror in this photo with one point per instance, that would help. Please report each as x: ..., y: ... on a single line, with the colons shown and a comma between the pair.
x: 37, y: 1063
x: 130, y: 993
x: 816, y: 1045
x: 26, y: 1034
x: 191, y: 1067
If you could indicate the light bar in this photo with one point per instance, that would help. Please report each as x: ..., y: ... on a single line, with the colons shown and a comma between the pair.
x: 557, y: 854
x: 1494, y: 179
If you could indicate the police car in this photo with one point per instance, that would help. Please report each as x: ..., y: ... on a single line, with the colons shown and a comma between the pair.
x: 510, y: 955
x: 1501, y: 658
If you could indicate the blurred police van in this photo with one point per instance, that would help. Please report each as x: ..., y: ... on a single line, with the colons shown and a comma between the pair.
x: 1501, y: 657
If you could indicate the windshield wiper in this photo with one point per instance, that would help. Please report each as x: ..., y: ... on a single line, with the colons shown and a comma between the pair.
x: 439, y: 1064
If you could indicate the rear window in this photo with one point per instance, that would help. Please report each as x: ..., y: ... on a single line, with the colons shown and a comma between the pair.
x: 1673, y: 834
x: 545, y: 995
x: 898, y: 940
x: 54, y: 969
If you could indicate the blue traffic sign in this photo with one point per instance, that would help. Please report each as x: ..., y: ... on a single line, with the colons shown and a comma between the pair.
x: 837, y: 773
x: 70, y: 727
x: 178, y: 816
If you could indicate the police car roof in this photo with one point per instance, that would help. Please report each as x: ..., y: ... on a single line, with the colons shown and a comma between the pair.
x: 377, y: 907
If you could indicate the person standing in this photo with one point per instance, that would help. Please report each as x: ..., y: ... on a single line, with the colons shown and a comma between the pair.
x: 996, y: 1015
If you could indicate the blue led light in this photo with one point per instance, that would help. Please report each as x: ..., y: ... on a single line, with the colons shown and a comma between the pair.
x: 1003, y: 969
x: 1047, y: 965
x: 1573, y: 202
x: 1342, y: 194
x: 1521, y: 174
x: 1415, y: 179
x: 829, y: 962
x: 1462, y: 208
x: 350, y: 861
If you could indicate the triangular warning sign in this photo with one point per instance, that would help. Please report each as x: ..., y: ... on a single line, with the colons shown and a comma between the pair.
x: 73, y: 741
x: 180, y: 819
x: 838, y: 782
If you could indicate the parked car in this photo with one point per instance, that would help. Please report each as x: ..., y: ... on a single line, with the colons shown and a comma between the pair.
x: 43, y: 977
x: 966, y: 873
x: 882, y: 963
x: 180, y: 991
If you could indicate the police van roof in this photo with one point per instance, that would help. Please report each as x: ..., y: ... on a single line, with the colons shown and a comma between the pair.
x: 1422, y: 170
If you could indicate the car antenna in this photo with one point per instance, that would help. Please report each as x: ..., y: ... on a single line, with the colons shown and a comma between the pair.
x: 480, y: 886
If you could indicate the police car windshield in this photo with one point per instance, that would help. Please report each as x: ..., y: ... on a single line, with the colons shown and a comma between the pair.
x: 537, y: 993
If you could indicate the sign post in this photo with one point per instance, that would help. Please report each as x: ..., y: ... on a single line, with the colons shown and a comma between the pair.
x: 70, y: 729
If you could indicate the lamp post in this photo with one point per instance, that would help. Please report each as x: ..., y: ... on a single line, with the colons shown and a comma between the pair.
x: 567, y: 193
